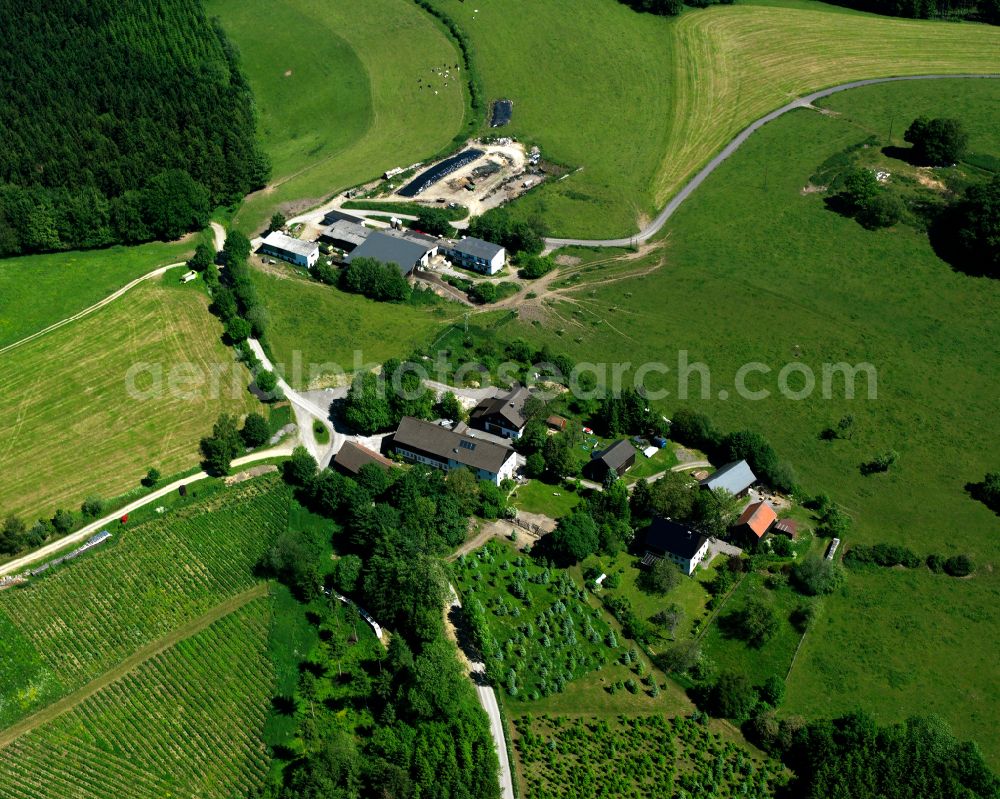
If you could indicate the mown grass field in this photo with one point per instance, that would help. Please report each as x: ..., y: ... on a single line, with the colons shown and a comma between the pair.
x: 69, y: 426
x: 639, y: 103
x: 39, y: 290
x: 321, y: 328
x: 72, y: 625
x: 188, y: 722
x: 339, y: 94
x: 755, y: 273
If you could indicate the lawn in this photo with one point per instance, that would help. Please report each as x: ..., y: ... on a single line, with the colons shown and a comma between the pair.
x: 774, y: 656
x: 187, y: 722
x: 640, y: 102
x: 339, y: 93
x: 757, y: 271
x: 661, y: 461
x: 317, y: 330
x: 72, y: 427
x: 550, y: 500
x: 39, y: 290
x: 76, y: 622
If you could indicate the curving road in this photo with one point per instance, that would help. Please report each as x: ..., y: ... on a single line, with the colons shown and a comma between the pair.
x: 802, y: 102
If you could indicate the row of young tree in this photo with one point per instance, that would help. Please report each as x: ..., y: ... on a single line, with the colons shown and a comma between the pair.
x: 121, y: 123
x: 429, y: 738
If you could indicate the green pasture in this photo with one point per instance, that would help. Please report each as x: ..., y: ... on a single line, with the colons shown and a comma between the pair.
x: 752, y: 269
x: 39, y: 290
x: 316, y: 328
x: 539, y: 497
x: 339, y: 93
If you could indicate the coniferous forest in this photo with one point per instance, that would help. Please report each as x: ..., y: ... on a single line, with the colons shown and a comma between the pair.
x: 122, y: 121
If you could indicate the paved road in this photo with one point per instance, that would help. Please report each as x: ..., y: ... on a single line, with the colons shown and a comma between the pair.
x: 85, y: 532
x: 802, y: 102
x: 488, y: 699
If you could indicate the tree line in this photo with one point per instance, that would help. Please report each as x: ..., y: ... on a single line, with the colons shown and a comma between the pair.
x: 121, y: 123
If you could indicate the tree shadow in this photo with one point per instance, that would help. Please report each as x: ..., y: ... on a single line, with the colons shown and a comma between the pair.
x: 978, y: 492
x: 907, y: 155
x: 283, y: 705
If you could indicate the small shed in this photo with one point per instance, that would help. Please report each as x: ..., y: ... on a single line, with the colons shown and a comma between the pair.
x: 787, y: 527
x: 618, y: 458
x: 557, y: 423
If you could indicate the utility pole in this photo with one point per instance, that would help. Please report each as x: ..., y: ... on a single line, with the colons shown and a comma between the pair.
x: 892, y: 119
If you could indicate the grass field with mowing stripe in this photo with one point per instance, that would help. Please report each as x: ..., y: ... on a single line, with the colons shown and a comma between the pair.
x: 338, y: 89
x: 68, y: 425
x: 640, y: 102
x: 186, y: 723
x: 769, y: 274
x: 312, y: 323
x: 39, y: 290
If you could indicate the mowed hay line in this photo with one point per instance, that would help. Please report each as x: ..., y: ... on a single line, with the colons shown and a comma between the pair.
x: 733, y: 64
x: 70, y: 427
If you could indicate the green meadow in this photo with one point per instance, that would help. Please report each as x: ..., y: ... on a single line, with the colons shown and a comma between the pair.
x: 754, y: 269
x: 341, y: 92
x: 316, y: 324
x: 39, y: 290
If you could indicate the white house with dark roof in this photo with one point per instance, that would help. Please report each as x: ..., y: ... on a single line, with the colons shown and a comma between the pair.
x: 668, y: 540
x: 433, y: 445
x: 288, y: 248
x: 476, y: 254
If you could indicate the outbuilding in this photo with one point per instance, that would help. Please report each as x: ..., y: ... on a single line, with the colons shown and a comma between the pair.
x: 406, y: 253
x: 618, y: 458
x: 287, y: 248
x: 735, y: 477
x: 345, y: 235
x: 351, y: 457
x: 756, y: 520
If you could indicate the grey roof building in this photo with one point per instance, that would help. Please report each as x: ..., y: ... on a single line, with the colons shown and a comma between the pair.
x: 406, y: 253
x: 473, y: 253
x: 735, y: 477
x: 289, y: 248
x: 345, y: 234
x: 433, y: 445
x: 504, y: 414
x: 618, y: 458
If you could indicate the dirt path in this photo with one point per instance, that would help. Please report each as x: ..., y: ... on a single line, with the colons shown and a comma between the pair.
x: 147, y: 652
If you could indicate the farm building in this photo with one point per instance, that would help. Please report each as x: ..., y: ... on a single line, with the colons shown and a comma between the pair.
x: 557, y: 423
x: 787, y: 527
x: 406, y: 253
x: 618, y: 458
x: 502, y: 415
x: 345, y: 235
x: 424, y: 442
x: 756, y: 520
x: 342, y: 216
x: 476, y: 254
x: 296, y: 251
x: 735, y: 477
x: 352, y: 457
x: 666, y: 539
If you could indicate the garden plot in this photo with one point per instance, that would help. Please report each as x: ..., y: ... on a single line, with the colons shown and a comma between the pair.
x: 532, y: 623
x: 635, y: 757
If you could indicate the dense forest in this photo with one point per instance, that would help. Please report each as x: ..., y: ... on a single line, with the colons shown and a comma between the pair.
x: 981, y: 10
x: 121, y: 122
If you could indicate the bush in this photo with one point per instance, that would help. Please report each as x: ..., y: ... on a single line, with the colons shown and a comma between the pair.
x: 532, y: 267
x: 661, y: 578
x: 152, y: 478
x: 802, y: 617
x: 92, y: 506
x: 958, y: 566
x: 237, y: 329
x: 756, y: 623
x: 817, y: 575
x: 935, y: 563
x: 732, y: 697
x: 255, y: 432
x: 325, y: 273
x: 484, y: 292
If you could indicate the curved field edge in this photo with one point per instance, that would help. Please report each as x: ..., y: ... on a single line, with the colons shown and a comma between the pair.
x: 354, y: 103
x: 639, y: 103
x: 187, y: 721
x: 72, y: 425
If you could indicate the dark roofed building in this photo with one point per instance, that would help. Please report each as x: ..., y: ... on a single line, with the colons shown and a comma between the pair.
x: 502, y: 415
x: 345, y: 235
x: 433, y: 445
x: 787, y: 527
x: 352, y: 457
x: 405, y: 253
x: 618, y: 458
x: 735, y: 477
x: 337, y: 216
x: 666, y: 539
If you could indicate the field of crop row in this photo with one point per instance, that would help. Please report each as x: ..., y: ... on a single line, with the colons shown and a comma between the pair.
x: 187, y: 723
x: 586, y: 757
x: 77, y: 622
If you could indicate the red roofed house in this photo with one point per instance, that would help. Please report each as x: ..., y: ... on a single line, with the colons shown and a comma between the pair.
x: 756, y: 520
